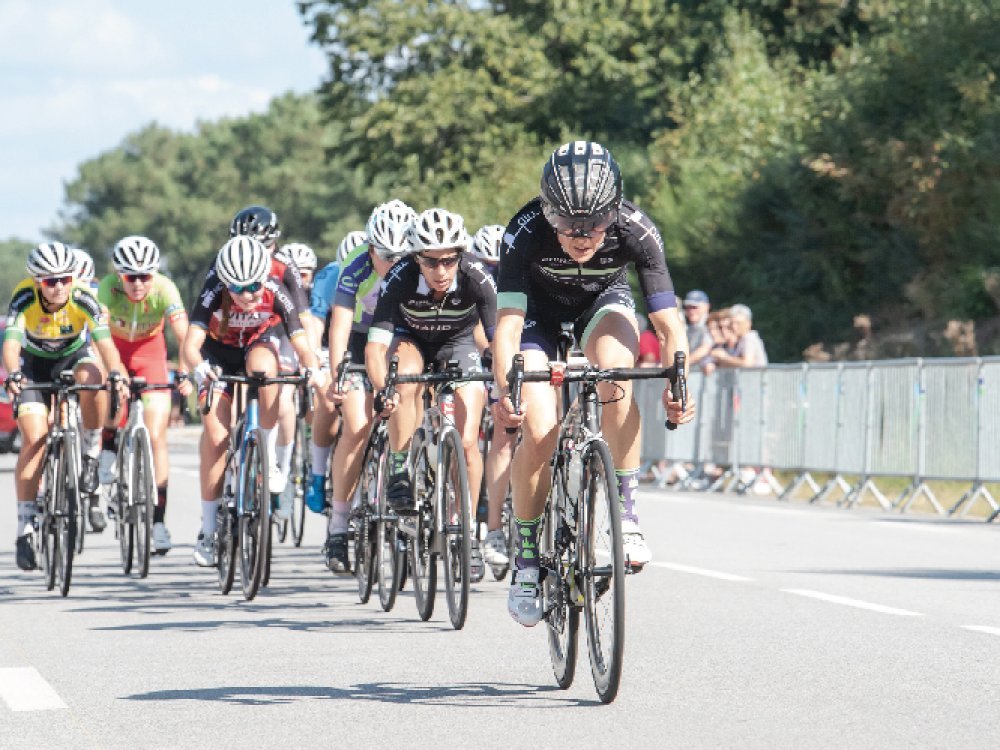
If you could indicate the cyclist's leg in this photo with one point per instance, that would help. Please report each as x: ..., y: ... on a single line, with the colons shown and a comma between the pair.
x: 93, y: 411
x: 324, y: 423
x: 403, y: 421
x: 263, y: 357
x: 356, y: 418
x: 288, y: 364
x: 212, y: 454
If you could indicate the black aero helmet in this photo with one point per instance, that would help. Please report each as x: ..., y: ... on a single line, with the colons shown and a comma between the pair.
x: 581, y: 187
x: 258, y: 222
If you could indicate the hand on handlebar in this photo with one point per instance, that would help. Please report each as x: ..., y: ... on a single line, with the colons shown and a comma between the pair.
x: 14, y: 383
x: 505, y: 416
x: 318, y: 379
x: 673, y: 408
x: 385, y: 406
x: 184, y: 384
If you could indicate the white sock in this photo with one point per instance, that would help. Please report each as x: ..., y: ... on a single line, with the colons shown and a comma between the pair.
x: 25, y: 517
x: 338, y: 517
x: 271, y: 440
x: 283, y: 457
x: 320, y: 458
x: 90, y: 441
x: 208, y: 510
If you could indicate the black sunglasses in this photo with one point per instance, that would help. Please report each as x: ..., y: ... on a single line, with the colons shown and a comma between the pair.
x: 447, y: 261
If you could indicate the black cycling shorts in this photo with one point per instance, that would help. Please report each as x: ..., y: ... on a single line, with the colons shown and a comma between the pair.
x: 543, y: 323
x: 46, y: 370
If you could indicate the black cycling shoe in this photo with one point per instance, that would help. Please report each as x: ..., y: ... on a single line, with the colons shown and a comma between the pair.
x: 96, y: 517
x: 26, y: 553
x: 335, y: 551
x: 399, y: 494
x: 88, y: 477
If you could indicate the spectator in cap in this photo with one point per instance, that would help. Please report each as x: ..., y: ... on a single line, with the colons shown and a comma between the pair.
x: 696, y: 307
x: 749, y: 348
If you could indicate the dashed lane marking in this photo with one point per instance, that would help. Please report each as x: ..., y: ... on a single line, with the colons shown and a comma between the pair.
x: 24, y: 689
x: 701, y: 572
x: 857, y: 603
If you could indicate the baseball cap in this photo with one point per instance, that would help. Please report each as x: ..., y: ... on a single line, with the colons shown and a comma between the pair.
x: 696, y: 297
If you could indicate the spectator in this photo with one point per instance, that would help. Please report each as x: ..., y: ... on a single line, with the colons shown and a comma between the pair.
x: 748, y: 349
x: 649, y: 345
x: 700, y: 344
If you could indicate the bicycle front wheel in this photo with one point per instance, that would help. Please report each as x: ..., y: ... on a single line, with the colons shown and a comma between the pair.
x: 48, y: 538
x: 455, y: 520
x: 603, y: 569
x: 65, y: 516
x: 302, y: 471
x: 423, y: 558
x: 389, y: 565
x: 226, y: 541
x: 365, y: 532
x: 559, y: 588
x: 255, y: 517
x: 143, y: 488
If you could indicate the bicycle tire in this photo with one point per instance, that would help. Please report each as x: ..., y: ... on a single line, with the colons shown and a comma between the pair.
x: 65, y: 516
x: 84, y: 501
x: 144, y: 494
x: 507, y: 526
x: 603, y: 569
x: 226, y: 541
x: 387, y: 558
x: 48, y: 540
x: 423, y: 558
x: 455, y: 520
x: 300, y: 458
x: 123, y: 526
x: 364, y: 535
x: 255, y: 520
x: 562, y: 617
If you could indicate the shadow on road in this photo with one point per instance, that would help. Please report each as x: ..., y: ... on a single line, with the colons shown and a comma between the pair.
x: 472, y: 695
x: 943, y: 574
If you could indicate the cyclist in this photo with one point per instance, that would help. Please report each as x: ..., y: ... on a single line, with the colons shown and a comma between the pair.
x: 565, y: 259
x: 49, y: 318
x: 350, y: 318
x: 238, y: 324
x: 85, y: 271
x: 261, y: 223
x: 428, y: 311
x: 140, y: 301
x: 486, y: 246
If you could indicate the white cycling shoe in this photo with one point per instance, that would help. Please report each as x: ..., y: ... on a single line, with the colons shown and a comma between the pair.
x: 524, y: 602
x: 276, y: 480
x: 495, y: 549
x: 161, y: 539
x: 204, y: 551
x: 634, y: 547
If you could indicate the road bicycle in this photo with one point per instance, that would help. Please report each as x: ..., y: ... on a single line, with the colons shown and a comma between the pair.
x: 439, y: 526
x: 581, y: 556
x: 133, y: 493
x: 57, y: 528
x: 244, y: 516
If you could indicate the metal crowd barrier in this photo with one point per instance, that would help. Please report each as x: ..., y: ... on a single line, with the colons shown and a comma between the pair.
x: 922, y: 419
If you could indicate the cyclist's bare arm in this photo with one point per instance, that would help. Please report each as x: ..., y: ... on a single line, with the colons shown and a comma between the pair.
x: 672, y: 333
x: 341, y: 320
x: 12, y: 360
x: 506, y: 343
x: 179, y: 325
x: 375, y: 364
x: 191, y: 348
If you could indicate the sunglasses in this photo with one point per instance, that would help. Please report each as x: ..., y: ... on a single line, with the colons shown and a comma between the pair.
x: 579, y: 226
x: 134, y: 277
x: 252, y: 288
x: 52, y: 281
x: 447, y: 261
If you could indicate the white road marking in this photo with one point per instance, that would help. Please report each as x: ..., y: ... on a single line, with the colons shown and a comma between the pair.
x: 700, y: 571
x: 982, y: 629
x: 24, y: 689
x: 833, y: 599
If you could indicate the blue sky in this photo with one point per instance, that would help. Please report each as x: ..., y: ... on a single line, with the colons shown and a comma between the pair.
x: 77, y: 75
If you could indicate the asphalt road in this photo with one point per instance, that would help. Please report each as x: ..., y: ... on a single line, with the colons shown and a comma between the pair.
x: 758, y: 625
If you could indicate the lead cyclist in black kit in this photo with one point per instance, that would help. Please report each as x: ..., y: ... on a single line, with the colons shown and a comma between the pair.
x: 565, y: 258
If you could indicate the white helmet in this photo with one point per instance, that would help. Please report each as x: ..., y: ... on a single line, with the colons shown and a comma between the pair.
x: 300, y: 255
x: 85, y: 270
x: 437, y: 229
x: 486, y: 243
x: 351, y: 241
x: 387, y: 230
x: 51, y: 259
x: 243, y: 260
x: 136, y: 254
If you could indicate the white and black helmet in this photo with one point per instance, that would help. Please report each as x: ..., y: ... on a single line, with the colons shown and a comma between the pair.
x: 51, y: 259
x: 136, y: 254
x: 486, y: 243
x: 387, y: 230
x: 85, y: 270
x: 437, y: 229
x: 243, y: 260
x: 298, y: 254
x: 351, y: 241
x: 581, y: 187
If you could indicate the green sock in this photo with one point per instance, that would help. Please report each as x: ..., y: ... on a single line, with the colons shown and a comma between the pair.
x: 527, y: 542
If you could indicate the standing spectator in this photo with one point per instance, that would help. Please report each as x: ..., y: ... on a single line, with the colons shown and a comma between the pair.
x: 696, y: 311
x: 748, y: 350
x: 649, y: 345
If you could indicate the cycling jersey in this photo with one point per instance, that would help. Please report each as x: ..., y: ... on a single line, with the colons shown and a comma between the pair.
x: 533, y: 265
x: 358, y: 288
x: 231, y: 327
x: 136, y: 321
x: 407, y: 306
x: 323, y: 290
x: 54, y: 334
x: 288, y: 274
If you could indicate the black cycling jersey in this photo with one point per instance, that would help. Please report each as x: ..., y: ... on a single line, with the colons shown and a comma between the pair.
x: 407, y: 306
x: 533, y: 264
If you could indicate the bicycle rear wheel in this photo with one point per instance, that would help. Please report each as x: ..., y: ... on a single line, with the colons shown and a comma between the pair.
x: 123, y: 524
x: 255, y: 518
x: 302, y: 471
x: 455, y: 520
x: 423, y: 559
x: 603, y: 568
x: 143, y: 488
x: 365, y: 533
x: 562, y: 615
x: 48, y: 539
x: 65, y: 516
